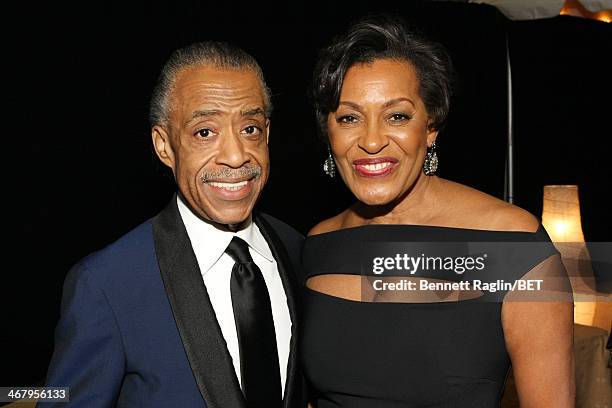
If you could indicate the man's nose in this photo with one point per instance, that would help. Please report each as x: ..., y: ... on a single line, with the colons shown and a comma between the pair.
x: 232, y: 152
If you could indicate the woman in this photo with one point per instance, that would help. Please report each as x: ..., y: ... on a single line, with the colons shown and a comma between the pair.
x: 381, y: 95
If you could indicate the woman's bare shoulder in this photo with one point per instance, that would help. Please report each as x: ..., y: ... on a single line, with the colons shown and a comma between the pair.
x: 330, y: 224
x: 485, y: 211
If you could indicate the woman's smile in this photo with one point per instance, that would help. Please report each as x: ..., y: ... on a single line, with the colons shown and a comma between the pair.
x: 376, y: 166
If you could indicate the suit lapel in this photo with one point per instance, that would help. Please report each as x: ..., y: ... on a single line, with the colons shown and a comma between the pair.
x: 195, y: 318
x: 293, y: 386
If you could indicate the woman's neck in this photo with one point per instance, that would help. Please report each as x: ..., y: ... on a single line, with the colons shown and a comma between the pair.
x: 418, y: 205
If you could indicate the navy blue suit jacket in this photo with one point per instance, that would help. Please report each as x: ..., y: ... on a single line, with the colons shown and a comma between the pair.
x: 137, y: 328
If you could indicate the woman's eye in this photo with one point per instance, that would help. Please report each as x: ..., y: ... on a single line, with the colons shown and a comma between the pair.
x: 251, y: 130
x: 398, y: 117
x: 347, y: 119
x: 204, y: 133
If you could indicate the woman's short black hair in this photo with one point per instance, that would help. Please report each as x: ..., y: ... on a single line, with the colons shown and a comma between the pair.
x: 383, y: 37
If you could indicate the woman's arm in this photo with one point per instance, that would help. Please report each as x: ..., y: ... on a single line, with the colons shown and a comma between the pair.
x: 539, y: 338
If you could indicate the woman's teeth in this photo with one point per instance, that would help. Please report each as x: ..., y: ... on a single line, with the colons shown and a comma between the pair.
x: 377, y: 166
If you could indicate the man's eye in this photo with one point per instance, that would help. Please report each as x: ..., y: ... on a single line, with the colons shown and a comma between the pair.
x: 251, y: 130
x: 347, y: 119
x: 204, y: 133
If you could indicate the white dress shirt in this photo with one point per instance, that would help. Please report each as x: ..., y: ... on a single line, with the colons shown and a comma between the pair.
x: 209, y: 244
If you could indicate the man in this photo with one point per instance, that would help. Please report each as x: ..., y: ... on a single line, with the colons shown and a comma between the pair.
x: 197, y: 306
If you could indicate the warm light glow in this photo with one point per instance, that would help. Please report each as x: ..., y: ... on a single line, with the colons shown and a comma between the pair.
x: 560, y: 228
x: 574, y: 8
x: 605, y: 16
x: 561, y: 214
x: 561, y: 218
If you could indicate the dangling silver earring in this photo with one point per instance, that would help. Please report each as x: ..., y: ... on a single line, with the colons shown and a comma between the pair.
x: 329, y: 167
x: 430, y: 166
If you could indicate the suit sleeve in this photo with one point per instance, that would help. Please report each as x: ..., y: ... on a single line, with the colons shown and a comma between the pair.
x: 89, y: 356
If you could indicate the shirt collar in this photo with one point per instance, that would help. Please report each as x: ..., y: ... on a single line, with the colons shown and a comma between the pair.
x: 209, y: 242
x: 252, y: 235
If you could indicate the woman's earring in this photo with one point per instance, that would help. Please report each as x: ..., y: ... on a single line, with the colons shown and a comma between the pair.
x: 329, y: 167
x: 431, y: 161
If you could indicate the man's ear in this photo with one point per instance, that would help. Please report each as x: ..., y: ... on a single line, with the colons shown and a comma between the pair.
x: 267, y: 131
x: 162, y: 146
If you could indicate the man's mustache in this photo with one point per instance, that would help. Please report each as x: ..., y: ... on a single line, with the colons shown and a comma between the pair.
x: 248, y: 170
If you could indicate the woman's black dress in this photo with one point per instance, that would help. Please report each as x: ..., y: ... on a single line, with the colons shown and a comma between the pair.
x: 367, y: 354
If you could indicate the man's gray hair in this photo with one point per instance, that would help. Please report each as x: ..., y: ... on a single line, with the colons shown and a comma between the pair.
x: 207, y: 53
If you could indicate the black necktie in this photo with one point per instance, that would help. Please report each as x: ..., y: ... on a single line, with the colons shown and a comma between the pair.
x: 259, y: 367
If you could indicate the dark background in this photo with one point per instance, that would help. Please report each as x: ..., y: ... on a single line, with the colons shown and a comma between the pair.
x: 76, y: 140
